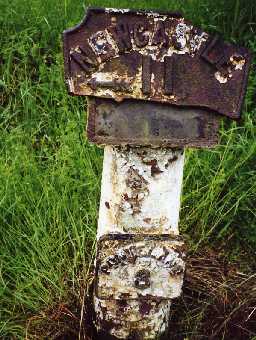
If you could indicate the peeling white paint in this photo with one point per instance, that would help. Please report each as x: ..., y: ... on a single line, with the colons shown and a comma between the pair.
x: 106, y: 78
x: 71, y: 84
x: 155, y: 200
x: 223, y: 78
x: 148, y: 319
x: 121, y: 274
x: 189, y: 43
x: 103, y: 43
x: 117, y: 10
x: 237, y: 61
x: 155, y: 15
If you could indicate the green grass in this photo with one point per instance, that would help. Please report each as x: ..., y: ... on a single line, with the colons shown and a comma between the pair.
x: 50, y: 175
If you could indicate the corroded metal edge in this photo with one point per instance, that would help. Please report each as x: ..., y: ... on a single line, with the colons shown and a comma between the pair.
x: 140, y: 237
x: 241, y: 98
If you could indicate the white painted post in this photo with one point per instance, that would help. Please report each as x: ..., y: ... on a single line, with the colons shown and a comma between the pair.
x: 140, y: 195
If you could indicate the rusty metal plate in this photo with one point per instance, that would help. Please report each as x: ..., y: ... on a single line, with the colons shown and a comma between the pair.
x: 158, y: 57
x: 136, y: 266
x: 136, y: 122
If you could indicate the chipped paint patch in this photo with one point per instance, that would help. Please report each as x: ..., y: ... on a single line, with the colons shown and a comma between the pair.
x: 110, y: 80
x: 221, y: 79
x: 237, y: 61
x: 137, y: 319
x: 103, y: 44
x: 181, y: 38
x: 117, y: 10
x: 71, y: 84
x: 142, y: 186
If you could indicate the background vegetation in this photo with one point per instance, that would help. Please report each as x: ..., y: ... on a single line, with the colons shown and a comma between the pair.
x: 50, y: 183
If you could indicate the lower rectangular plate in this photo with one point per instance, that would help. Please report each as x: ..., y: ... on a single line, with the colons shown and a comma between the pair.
x: 137, y: 122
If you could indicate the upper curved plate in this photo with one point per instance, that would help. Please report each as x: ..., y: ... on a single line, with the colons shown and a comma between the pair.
x: 161, y: 57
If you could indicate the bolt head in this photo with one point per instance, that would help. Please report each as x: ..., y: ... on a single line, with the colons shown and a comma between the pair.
x: 142, y: 279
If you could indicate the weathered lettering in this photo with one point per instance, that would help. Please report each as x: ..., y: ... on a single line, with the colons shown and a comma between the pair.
x: 155, y: 57
x: 146, y: 74
x: 141, y: 38
x: 214, y: 53
x: 80, y: 57
x: 168, y: 75
x: 160, y: 37
x: 123, y: 37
